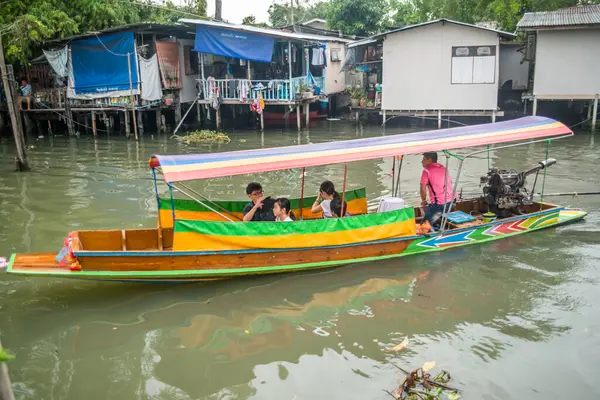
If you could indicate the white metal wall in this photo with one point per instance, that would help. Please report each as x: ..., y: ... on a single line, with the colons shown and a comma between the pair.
x: 334, y: 80
x: 417, y: 69
x: 567, y: 64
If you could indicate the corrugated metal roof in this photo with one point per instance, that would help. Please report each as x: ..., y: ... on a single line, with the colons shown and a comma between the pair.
x: 571, y: 16
x: 503, y: 34
x: 266, y: 31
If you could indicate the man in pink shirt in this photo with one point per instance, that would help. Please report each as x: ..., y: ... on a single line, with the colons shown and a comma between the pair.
x: 436, y: 180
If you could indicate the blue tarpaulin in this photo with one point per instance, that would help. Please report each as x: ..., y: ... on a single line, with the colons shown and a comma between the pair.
x: 100, y: 63
x: 236, y: 44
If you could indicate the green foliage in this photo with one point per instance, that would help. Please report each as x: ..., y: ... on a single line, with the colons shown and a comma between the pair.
x: 28, y: 24
x: 358, y: 17
x: 504, y: 13
x: 280, y: 13
x: 203, y: 136
x: 251, y: 20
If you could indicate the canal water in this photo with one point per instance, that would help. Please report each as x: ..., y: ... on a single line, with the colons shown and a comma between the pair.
x: 511, y: 319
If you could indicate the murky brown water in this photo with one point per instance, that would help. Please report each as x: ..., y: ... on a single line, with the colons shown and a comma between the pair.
x: 511, y: 319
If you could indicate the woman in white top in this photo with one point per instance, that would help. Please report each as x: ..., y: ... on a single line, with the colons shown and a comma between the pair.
x: 281, y: 209
x: 323, y: 203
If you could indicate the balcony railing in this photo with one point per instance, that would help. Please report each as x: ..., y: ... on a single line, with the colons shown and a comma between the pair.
x: 244, y: 90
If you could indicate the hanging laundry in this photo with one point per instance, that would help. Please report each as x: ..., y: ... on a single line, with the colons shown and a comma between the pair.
x: 244, y: 89
x: 150, y: 76
x: 318, y: 57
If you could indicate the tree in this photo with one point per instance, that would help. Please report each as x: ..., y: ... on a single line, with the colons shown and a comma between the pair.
x: 280, y: 13
x: 358, y: 17
x: 28, y: 24
x: 251, y: 20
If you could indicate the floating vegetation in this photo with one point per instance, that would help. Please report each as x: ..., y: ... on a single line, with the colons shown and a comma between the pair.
x: 419, y: 385
x: 203, y: 136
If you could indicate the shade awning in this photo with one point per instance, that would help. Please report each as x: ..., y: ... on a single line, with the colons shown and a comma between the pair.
x: 177, y: 168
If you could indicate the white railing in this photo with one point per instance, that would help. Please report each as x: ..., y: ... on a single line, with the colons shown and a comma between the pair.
x: 244, y: 90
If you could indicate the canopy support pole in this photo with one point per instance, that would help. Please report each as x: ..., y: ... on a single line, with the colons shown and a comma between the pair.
x: 202, y: 203
x: 398, y: 193
x: 172, y: 203
x: 159, y: 230
x: 393, y: 174
x: 343, y: 211
x: 302, y: 192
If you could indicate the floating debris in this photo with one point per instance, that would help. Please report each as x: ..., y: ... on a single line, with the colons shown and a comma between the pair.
x: 5, y: 356
x: 203, y: 136
x: 419, y: 385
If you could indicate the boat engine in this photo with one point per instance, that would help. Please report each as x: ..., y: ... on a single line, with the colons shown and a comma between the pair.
x: 504, y: 191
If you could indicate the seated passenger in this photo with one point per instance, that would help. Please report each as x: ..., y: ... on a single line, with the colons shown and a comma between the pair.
x: 281, y: 210
x: 323, y: 202
x: 260, y: 208
x: 336, y: 208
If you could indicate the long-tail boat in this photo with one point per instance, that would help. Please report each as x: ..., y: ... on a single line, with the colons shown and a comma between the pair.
x: 200, y: 239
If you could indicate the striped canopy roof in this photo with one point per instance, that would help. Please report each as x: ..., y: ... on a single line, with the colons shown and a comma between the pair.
x: 211, y: 165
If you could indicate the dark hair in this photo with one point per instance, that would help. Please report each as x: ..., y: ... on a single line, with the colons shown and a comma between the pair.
x: 327, y: 187
x: 336, y: 206
x: 432, y: 155
x: 284, y: 203
x: 252, y: 186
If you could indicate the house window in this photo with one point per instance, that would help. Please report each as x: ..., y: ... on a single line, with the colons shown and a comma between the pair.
x: 473, y: 64
x: 190, y: 60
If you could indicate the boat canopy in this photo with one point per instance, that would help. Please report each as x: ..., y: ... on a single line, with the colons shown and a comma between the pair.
x: 177, y: 168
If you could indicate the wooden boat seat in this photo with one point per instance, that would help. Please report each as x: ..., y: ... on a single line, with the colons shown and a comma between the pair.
x: 124, y: 240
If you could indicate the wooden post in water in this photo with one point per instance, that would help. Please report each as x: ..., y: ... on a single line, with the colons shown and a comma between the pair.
x: 6, y: 392
x: 298, y: 121
x: 177, y: 108
x: 22, y: 164
x: 94, y: 129
x: 218, y: 112
x: 135, y: 132
x: 595, y: 113
x: 69, y: 116
x: 534, y: 112
x: 158, y: 120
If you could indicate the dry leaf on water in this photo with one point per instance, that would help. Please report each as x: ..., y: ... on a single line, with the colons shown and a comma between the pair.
x: 428, y: 365
x: 402, y: 345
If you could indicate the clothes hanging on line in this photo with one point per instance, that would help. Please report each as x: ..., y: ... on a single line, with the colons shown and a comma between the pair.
x: 318, y: 56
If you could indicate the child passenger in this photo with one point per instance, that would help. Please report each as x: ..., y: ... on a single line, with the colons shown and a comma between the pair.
x: 323, y: 203
x: 281, y: 209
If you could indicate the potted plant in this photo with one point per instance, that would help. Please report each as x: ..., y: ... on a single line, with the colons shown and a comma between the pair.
x: 355, y: 96
x: 306, y: 91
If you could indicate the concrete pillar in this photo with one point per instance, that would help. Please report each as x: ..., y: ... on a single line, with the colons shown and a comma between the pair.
x: 140, y: 119
x: 534, y: 112
x: 307, y: 114
x: 127, y: 130
x: 298, y: 117
x: 94, y: 129
x: 494, y: 116
x: 439, y: 119
x: 595, y: 114
x: 218, y: 118
x: 384, y: 117
x: 262, y: 120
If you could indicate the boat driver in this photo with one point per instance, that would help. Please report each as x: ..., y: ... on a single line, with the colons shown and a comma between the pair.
x: 260, y: 208
x: 433, y: 180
